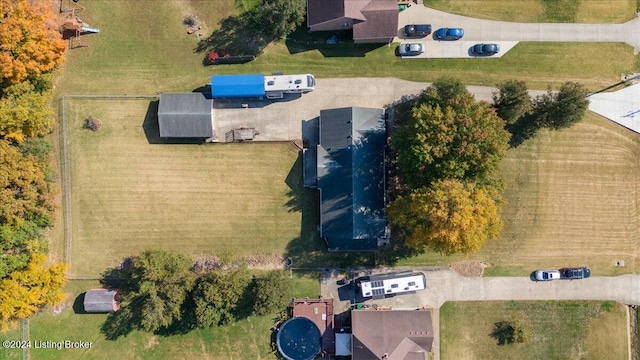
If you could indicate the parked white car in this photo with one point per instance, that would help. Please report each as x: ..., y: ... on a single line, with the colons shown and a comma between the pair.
x: 547, y: 275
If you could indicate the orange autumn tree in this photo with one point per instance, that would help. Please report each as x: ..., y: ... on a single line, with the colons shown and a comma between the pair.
x: 30, y: 43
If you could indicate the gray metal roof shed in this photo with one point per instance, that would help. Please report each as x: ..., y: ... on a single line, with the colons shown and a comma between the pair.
x: 101, y: 300
x: 185, y: 115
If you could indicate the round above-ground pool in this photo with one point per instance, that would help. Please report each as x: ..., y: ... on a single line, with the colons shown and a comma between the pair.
x: 299, y: 339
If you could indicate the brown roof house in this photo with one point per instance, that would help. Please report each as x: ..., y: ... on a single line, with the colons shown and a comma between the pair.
x: 391, y: 335
x: 372, y: 21
x: 101, y: 301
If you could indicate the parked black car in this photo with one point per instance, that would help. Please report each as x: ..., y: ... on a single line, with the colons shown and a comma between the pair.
x: 417, y: 30
x: 485, y: 49
x: 575, y: 273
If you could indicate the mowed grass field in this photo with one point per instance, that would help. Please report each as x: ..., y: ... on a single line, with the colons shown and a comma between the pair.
x: 571, y: 200
x: 579, y: 11
x: 555, y: 330
x: 140, y: 50
x: 128, y: 196
x: 248, y: 338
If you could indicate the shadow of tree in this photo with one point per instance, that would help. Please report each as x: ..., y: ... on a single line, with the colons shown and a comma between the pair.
x: 523, y: 129
x: 237, y: 35
x: 124, y: 321
x: 302, y: 40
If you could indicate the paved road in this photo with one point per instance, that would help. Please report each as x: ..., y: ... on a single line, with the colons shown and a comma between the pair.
x: 506, y: 33
x: 282, y: 120
x: 446, y: 285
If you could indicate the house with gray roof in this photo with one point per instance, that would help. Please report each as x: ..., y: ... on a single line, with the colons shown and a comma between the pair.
x: 372, y: 21
x: 185, y: 115
x: 344, y: 158
x: 391, y: 335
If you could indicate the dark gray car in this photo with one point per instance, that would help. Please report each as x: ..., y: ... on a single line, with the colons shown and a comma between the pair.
x: 417, y: 30
x: 485, y: 49
x: 575, y: 273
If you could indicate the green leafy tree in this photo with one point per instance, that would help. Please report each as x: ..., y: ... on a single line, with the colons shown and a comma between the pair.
x: 271, y: 292
x: 562, y: 109
x: 449, y: 135
x: 24, y: 191
x: 25, y: 112
x: 217, y: 297
x: 279, y: 18
x: 17, y: 244
x: 158, y: 283
x: 512, y: 100
x: 449, y: 217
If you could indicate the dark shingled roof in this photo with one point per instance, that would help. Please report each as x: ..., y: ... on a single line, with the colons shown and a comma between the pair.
x: 373, y: 20
x: 185, y: 115
x: 381, y: 24
x: 401, y: 334
x: 101, y: 300
x: 350, y: 175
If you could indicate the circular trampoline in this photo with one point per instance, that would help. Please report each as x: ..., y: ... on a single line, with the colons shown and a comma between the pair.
x: 299, y: 339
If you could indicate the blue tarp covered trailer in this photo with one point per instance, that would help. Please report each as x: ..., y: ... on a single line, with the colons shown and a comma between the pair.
x: 237, y: 86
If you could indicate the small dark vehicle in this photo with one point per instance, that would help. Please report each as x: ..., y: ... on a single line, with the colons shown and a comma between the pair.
x: 417, y: 30
x: 485, y: 49
x: 575, y: 273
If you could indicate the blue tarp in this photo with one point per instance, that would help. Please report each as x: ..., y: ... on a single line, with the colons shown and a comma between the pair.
x: 237, y: 86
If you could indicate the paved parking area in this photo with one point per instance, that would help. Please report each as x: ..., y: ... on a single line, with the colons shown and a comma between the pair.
x: 456, y: 49
x: 505, y: 33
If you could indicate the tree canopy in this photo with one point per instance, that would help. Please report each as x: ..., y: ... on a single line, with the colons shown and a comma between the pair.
x: 23, y: 292
x: 24, y: 112
x: 512, y: 100
x: 24, y: 191
x: 30, y: 43
x: 158, y: 282
x: 272, y: 292
x: 451, y: 216
x: 449, y: 135
x: 279, y: 18
x: 217, y: 297
x: 562, y: 109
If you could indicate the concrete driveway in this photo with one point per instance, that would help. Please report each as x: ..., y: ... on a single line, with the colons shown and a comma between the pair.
x: 282, y: 120
x: 504, y: 33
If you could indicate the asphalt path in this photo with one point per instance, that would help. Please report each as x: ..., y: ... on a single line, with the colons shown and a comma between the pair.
x: 507, y: 34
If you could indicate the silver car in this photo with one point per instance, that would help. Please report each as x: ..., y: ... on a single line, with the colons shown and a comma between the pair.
x: 410, y: 49
x: 547, y: 275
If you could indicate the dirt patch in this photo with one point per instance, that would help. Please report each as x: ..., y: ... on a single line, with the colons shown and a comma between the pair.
x: 205, y: 263
x: 265, y: 261
x: 153, y: 341
x: 469, y: 268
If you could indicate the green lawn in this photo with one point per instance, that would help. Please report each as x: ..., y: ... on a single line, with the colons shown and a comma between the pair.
x: 555, y: 330
x: 579, y: 11
x: 137, y: 52
x: 9, y: 353
x: 128, y: 195
x: 246, y: 339
x: 571, y: 201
